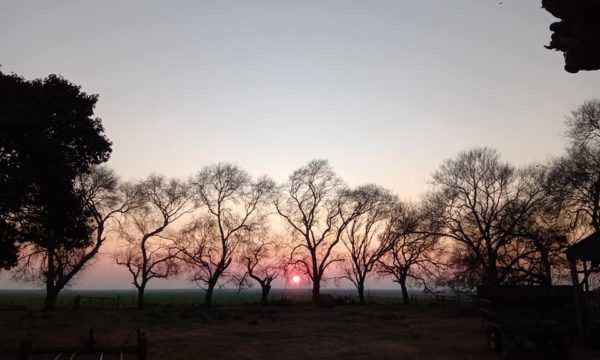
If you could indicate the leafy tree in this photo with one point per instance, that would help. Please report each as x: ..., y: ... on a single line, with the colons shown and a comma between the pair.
x: 106, y: 200
x: 49, y: 137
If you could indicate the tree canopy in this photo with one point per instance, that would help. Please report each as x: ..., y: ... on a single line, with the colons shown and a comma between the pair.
x: 49, y: 136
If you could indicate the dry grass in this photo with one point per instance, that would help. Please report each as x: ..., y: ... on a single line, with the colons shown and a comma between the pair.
x: 285, y: 332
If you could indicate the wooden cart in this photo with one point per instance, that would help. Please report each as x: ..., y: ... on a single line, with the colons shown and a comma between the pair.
x: 528, y: 317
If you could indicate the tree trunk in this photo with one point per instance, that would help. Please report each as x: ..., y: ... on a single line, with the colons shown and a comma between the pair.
x: 264, y: 297
x: 316, y: 291
x: 51, y: 289
x: 547, y: 267
x: 209, y: 294
x: 405, y: 298
x: 596, y: 205
x: 492, y: 276
x: 492, y: 270
x: 51, y: 297
x: 140, y: 299
x: 361, y: 293
x: 546, y: 275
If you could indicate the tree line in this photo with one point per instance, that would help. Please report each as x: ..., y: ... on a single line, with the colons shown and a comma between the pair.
x: 483, y: 220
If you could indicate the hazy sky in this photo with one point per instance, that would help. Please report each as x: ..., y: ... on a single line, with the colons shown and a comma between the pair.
x: 386, y: 90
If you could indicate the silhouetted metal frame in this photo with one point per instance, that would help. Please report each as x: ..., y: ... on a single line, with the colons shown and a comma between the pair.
x: 28, y: 348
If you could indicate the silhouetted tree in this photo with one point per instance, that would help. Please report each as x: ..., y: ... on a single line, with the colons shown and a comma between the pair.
x: 233, y: 201
x: 363, y: 238
x: 480, y: 202
x: 261, y: 260
x: 317, y: 206
x: 48, y: 137
x: 413, y: 248
x: 542, y: 236
x: 572, y: 206
x: 584, y: 124
x: 575, y: 177
x: 105, y: 200
x: 150, y: 252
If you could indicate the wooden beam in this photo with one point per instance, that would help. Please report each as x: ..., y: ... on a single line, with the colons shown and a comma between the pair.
x: 577, y: 298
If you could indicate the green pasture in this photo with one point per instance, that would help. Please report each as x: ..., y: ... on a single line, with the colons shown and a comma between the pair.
x: 33, y: 299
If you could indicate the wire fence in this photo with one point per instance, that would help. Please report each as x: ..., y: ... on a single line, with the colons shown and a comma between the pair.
x: 123, y: 299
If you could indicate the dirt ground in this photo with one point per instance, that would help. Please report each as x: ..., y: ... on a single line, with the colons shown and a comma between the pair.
x: 278, y: 332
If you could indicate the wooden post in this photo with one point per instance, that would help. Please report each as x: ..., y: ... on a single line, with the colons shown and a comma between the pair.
x: 26, y: 347
x: 578, y: 298
x: 142, y: 345
x: 90, y: 339
x: 586, y: 275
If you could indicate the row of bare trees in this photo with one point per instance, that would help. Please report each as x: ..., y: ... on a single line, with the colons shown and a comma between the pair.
x: 483, y: 221
x: 217, y: 229
x: 376, y: 230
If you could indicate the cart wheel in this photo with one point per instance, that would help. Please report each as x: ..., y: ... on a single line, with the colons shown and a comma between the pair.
x: 493, y: 340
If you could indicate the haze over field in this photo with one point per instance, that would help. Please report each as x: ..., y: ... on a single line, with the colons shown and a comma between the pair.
x: 386, y: 90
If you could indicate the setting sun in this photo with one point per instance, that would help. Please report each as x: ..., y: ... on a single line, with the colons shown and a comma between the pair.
x: 296, y: 279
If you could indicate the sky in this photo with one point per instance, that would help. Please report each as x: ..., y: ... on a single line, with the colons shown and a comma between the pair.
x: 386, y: 90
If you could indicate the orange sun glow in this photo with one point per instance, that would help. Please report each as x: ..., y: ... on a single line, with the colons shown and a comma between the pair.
x: 296, y: 279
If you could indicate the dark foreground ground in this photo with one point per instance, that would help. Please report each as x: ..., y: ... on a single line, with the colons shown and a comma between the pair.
x: 278, y: 332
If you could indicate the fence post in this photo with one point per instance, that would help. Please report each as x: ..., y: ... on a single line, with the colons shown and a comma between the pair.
x: 26, y: 347
x: 76, y: 302
x: 142, y: 345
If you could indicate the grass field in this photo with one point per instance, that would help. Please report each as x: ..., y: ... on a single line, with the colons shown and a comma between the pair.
x: 179, y: 327
x: 33, y: 299
x: 294, y: 332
